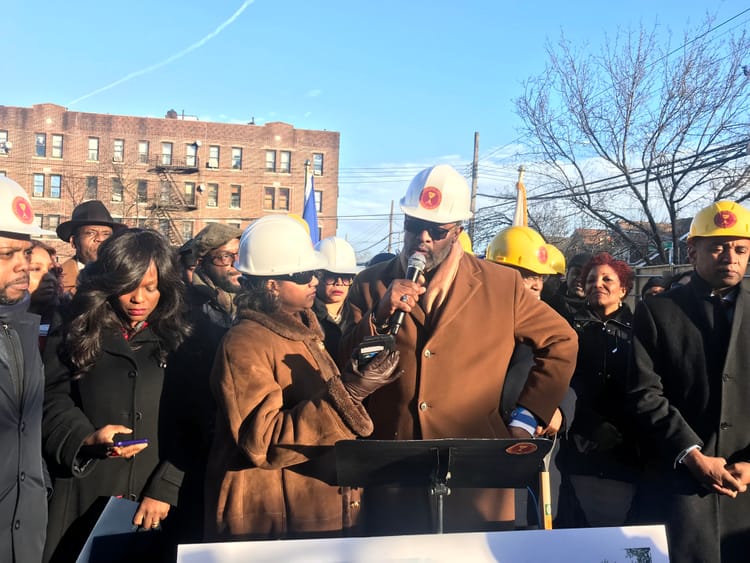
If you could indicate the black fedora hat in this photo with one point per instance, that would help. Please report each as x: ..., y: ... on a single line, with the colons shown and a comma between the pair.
x: 90, y: 212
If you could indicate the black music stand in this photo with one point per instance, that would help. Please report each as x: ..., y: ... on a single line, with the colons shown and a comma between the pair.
x: 440, y: 464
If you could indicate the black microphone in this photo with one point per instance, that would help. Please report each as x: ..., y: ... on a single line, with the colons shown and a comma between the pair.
x: 415, y: 266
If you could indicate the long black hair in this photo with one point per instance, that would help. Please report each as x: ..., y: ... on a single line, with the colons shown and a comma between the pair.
x: 122, y: 261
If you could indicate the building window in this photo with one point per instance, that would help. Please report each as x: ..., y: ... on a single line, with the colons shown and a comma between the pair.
x: 270, y: 161
x: 38, y: 185
x: 166, y: 154
x: 92, y: 187
x: 189, y: 193
x: 140, y: 222
x: 236, y: 158
x: 118, y: 150
x: 53, y: 221
x: 187, y: 230
x: 141, y: 194
x: 318, y: 164
x: 93, y: 148
x: 38, y: 220
x: 213, y: 156
x: 164, y: 227
x: 191, y: 154
x: 269, y: 198
x: 165, y: 189
x: 143, y: 152
x: 212, y: 195
x: 3, y: 173
x: 283, y: 199
x: 285, y: 166
x: 318, y: 200
x: 235, y: 197
x: 40, y: 142
x: 3, y: 142
x: 57, y: 146
x: 233, y: 224
x: 55, y: 186
x: 276, y: 199
x: 117, y: 190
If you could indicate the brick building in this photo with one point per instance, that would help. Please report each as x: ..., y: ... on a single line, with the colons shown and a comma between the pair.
x: 174, y: 174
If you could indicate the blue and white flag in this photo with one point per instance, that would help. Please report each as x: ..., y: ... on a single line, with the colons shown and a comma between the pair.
x: 310, y: 211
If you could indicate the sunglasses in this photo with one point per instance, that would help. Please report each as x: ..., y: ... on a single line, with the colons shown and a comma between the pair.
x: 331, y: 279
x: 417, y: 226
x: 300, y: 278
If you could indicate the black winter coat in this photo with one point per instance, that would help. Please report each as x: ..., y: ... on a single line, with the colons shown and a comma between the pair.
x: 685, y: 390
x: 124, y: 387
x: 23, y: 493
x: 602, y: 437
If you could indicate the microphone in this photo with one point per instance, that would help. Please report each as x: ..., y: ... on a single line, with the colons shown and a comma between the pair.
x: 415, y: 266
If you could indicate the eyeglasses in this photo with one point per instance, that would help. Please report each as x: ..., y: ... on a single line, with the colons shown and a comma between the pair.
x: 94, y: 233
x: 331, y: 279
x: 223, y: 259
x: 300, y: 278
x: 417, y: 226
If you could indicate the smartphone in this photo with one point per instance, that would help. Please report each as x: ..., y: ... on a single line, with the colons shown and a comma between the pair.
x: 371, y: 346
x: 123, y: 443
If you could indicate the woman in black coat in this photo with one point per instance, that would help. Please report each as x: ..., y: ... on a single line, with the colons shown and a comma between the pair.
x: 105, y: 371
x: 599, y: 459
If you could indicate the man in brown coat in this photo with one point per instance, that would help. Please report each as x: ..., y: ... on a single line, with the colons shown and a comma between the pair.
x: 463, y: 320
x: 90, y: 225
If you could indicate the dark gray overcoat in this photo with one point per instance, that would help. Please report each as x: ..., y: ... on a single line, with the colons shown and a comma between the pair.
x: 683, y: 392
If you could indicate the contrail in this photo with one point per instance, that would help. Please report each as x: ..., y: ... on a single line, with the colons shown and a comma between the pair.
x: 171, y: 59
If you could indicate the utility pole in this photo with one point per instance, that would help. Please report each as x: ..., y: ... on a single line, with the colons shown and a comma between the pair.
x: 390, y: 229
x: 474, y: 179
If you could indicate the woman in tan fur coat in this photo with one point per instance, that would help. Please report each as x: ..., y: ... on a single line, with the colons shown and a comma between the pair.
x: 282, y: 402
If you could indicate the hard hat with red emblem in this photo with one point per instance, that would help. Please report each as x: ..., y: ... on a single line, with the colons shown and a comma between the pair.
x: 522, y: 247
x: 556, y: 259
x: 438, y: 194
x: 721, y: 219
x: 16, y: 213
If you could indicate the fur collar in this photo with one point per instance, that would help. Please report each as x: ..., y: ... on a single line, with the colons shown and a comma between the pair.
x: 302, y: 328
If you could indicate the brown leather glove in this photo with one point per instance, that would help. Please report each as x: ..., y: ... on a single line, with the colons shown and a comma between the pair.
x: 379, y: 371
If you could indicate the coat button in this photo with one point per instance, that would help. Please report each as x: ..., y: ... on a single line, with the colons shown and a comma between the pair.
x: 725, y: 377
x: 138, y: 415
x: 427, y: 353
x: 725, y: 425
x: 23, y: 425
x: 17, y: 524
x: 132, y: 496
x: 354, y: 504
x: 132, y: 373
x: 22, y: 476
x: 423, y: 406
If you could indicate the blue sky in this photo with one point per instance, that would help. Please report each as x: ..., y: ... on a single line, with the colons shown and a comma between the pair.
x: 406, y: 83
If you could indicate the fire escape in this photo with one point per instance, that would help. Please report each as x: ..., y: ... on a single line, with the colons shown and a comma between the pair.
x: 171, y: 202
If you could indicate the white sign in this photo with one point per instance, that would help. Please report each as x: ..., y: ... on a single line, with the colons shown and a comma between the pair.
x: 630, y: 544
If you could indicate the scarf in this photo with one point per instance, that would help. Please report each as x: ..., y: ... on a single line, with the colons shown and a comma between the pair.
x: 9, y: 311
x: 442, y: 280
x: 224, y: 299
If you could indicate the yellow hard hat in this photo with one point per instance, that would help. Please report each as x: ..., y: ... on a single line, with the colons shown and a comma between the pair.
x: 522, y: 247
x: 721, y: 219
x: 556, y: 259
x: 465, y: 242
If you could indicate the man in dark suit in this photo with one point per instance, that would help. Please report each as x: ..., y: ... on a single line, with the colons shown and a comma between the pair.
x: 689, y: 391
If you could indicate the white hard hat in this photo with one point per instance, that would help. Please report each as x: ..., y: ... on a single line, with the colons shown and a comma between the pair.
x: 277, y: 245
x: 339, y: 254
x: 438, y: 194
x: 16, y: 213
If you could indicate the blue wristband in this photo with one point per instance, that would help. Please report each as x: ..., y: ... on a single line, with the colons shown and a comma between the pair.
x: 522, y: 418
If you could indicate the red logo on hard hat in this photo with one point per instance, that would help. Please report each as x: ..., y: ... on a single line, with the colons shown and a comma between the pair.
x: 542, y: 255
x: 430, y: 197
x: 725, y: 219
x: 22, y: 210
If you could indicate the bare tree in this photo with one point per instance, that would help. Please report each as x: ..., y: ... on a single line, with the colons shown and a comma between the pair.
x: 640, y: 133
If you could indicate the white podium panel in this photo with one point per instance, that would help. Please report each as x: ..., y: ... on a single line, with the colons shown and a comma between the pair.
x: 636, y: 544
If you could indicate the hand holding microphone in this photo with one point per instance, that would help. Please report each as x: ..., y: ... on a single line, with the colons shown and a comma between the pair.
x: 415, y: 267
x: 402, y: 295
